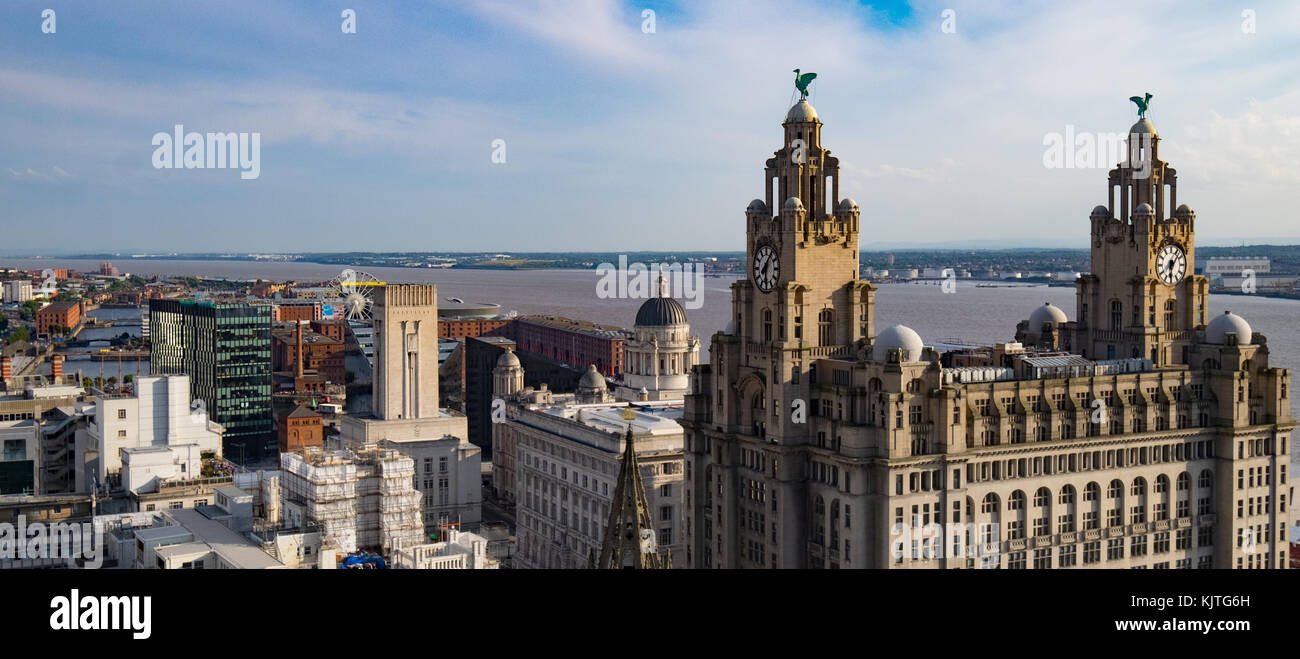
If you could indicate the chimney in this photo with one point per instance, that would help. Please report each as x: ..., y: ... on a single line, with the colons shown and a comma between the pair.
x: 6, y: 369
x: 299, y: 348
x: 56, y: 368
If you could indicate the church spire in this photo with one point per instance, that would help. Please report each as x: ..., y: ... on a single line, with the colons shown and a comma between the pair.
x: 630, y: 541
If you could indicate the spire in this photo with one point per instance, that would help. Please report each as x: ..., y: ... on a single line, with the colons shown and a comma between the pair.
x: 630, y: 541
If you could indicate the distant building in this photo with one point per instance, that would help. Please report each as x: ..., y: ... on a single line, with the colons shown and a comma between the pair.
x: 460, y: 328
x: 66, y: 314
x: 1217, y: 266
x: 226, y: 351
x: 573, y: 342
x: 18, y: 290
x: 109, y: 270
x: 42, y: 448
x: 296, y: 310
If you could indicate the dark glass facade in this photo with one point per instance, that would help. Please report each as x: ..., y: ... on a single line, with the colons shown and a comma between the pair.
x: 226, y: 351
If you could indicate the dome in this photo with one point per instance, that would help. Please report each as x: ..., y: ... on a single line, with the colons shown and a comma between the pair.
x: 592, y: 379
x: 507, y: 359
x: 757, y: 206
x: 1143, y: 127
x: 660, y: 312
x: 847, y: 204
x: 1100, y: 211
x: 898, y: 337
x: 1143, y: 209
x: 1218, y: 328
x: 793, y: 204
x: 802, y: 112
x: 1184, y: 210
x: 1045, y: 314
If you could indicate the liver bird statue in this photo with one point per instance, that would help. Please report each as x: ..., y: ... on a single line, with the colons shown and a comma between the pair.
x: 801, y: 82
x: 1142, y: 104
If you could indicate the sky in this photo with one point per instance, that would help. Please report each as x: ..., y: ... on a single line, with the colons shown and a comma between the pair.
x: 618, y: 137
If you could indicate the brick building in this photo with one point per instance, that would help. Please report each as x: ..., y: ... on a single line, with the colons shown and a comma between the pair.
x: 299, y: 429
x: 321, y: 353
x: 59, y: 314
x: 462, y: 328
x: 577, y: 343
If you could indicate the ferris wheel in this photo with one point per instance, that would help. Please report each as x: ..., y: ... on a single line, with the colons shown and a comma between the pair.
x: 356, y: 288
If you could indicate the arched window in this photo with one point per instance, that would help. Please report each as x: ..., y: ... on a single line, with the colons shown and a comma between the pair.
x: 1017, y: 501
x: 826, y: 327
x: 1140, y: 487
x: 1184, y: 482
x: 990, y: 504
x: 1115, y: 490
x: 1067, y: 495
x: 1042, y: 497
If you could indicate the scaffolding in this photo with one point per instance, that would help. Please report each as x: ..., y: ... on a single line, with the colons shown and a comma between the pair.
x: 363, y: 499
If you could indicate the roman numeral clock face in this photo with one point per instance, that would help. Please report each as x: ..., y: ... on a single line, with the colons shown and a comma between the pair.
x: 1171, y: 264
x: 767, y: 267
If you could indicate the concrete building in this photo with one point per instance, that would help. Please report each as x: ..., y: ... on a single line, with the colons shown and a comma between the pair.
x: 558, y: 458
x: 406, y: 415
x: 43, y: 446
x: 1164, y: 444
x: 17, y: 291
x: 460, y: 551
x: 151, y: 436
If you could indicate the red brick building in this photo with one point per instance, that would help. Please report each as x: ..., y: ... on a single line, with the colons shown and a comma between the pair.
x: 290, y: 312
x: 573, y: 342
x: 300, y: 428
x: 322, y: 354
x: 59, y: 314
x: 459, y: 328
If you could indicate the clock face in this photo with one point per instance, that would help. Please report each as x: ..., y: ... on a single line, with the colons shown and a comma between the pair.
x: 1171, y: 264
x: 767, y: 267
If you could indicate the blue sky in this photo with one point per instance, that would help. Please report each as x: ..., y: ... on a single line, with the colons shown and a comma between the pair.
x: 618, y: 139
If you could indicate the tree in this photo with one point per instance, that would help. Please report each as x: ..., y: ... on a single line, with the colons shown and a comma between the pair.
x: 20, y: 334
x: 128, y: 378
x: 87, y: 383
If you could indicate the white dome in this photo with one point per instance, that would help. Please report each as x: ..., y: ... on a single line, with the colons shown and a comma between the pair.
x: 1045, y: 314
x: 793, y: 204
x: 801, y: 112
x: 1228, y: 322
x: 757, y: 206
x: 847, y: 204
x: 592, y: 379
x: 898, y: 337
x: 508, y: 359
x: 1100, y: 211
x: 1143, y: 209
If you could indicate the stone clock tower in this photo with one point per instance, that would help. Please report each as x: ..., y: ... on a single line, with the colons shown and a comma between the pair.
x: 802, y: 299
x: 1141, y: 298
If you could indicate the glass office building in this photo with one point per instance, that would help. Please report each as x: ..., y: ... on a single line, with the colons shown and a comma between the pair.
x: 226, y: 351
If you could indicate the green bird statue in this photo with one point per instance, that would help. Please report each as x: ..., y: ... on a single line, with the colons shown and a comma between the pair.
x: 801, y: 83
x: 1142, y: 104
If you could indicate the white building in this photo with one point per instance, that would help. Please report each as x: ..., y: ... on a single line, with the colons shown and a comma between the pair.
x: 460, y: 551
x: 152, y: 435
x: 18, y: 290
x: 566, y: 450
x: 1235, y: 265
x: 657, y: 359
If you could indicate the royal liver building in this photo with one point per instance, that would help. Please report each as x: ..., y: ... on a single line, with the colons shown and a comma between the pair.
x: 1147, y: 432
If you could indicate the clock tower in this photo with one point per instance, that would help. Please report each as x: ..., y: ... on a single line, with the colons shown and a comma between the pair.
x: 1141, y: 299
x: 802, y: 298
